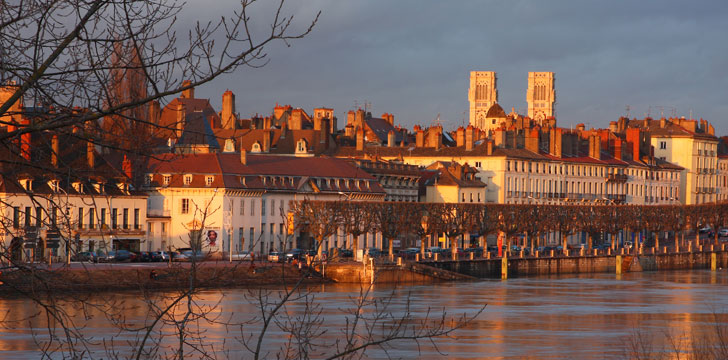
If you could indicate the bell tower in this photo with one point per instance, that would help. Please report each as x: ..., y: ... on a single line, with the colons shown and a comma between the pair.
x: 541, y: 95
x: 481, y: 95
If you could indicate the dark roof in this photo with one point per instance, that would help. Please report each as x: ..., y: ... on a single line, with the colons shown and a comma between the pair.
x: 261, y: 172
x: 496, y: 111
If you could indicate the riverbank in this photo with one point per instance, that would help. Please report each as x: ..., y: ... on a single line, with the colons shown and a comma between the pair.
x: 177, y: 276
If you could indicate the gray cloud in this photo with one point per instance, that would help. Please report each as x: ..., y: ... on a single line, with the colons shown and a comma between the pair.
x: 412, y: 58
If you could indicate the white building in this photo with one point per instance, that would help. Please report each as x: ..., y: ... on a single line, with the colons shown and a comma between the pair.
x: 243, y: 198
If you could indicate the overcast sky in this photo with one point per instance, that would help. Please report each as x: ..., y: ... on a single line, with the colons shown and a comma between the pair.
x: 413, y: 58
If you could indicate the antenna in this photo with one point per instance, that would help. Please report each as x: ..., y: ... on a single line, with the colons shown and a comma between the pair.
x: 627, y: 108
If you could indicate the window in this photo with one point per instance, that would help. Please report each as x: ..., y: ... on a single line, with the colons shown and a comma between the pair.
x: 463, y: 200
x: 114, y: 218
x: 280, y: 208
x: 102, y: 219
x: 272, y: 207
x: 242, y: 207
x: 125, y: 219
x: 252, y: 207
x: 251, y: 239
x: 91, y: 218
x: 150, y: 227
x: 262, y: 207
x: 80, y: 218
x: 16, y: 217
x: 208, y: 180
x: 478, y: 164
x: 38, y: 216
x: 167, y: 179
x: 136, y: 219
x: 663, y: 145
x: 185, y: 208
x: 188, y: 179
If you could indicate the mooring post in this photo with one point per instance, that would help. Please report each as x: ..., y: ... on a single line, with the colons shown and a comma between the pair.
x: 713, y: 261
x: 618, y: 263
x: 504, y: 267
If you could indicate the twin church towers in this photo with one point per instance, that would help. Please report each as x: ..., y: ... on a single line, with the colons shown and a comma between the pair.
x: 483, y: 96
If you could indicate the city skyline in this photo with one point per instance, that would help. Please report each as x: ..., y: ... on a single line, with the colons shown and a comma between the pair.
x: 658, y: 58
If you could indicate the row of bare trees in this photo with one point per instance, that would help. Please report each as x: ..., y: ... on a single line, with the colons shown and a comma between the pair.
x: 392, y: 220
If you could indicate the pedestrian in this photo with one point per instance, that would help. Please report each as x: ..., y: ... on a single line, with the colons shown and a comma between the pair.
x: 153, y: 275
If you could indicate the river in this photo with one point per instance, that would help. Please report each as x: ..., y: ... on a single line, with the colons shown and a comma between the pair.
x: 590, y: 316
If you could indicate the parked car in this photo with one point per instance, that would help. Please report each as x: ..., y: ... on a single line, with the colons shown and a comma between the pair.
x: 705, y: 230
x: 241, y: 256
x: 477, y: 251
x: 374, y: 252
x: 105, y: 257
x: 275, y: 256
x: 295, y: 254
x: 89, y: 256
x: 144, y: 256
x: 157, y: 256
x: 431, y: 251
x: 194, y: 255
x: 346, y: 253
x: 723, y: 233
x: 627, y: 245
x: 409, y: 253
x: 122, y: 255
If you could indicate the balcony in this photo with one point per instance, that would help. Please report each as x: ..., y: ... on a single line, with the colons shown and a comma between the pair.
x: 158, y: 213
x: 616, y: 178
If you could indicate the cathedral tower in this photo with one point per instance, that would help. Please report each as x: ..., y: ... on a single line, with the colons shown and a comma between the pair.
x: 541, y: 95
x: 482, y: 95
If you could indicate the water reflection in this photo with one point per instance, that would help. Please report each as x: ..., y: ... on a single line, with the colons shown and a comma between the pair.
x: 584, y: 316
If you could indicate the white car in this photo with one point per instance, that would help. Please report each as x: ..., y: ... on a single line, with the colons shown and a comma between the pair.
x: 241, y: 256
x: 723, y: 233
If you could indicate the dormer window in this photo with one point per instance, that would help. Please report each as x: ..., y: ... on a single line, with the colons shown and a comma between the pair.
x: 98, y: 188
x: 188, y: 179
x: 166, y: 179
x: 78, y: 186
x: 27, y: 184
x: 255, y: 148
x: 301, y: 146
x: 148, y: 179
x: 209, y: 180
x: 54, y: 185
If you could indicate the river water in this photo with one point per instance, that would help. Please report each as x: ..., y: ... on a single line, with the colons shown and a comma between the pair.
x: 591, y: 316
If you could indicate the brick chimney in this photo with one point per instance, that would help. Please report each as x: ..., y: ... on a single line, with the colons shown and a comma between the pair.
x: 25, y: 139
x: 90, y: 156
x: 296, y: 119
x: 618, y: 149
x: 435, y: 134
x: 266, y: 140
x: 633, y: 140
x: 228, y: 110
x: 324, y: 133
x: 154, y: 112
x: 419, y: 137
x: 390, y: 139
x: 469, y: 138
x: 180, y: 120
x: 360, y: 139
x: 126, y: 167
x: 54, y: 151
x: 595, y: 147
x: 460, y: 137
x: 499, y: 135
x: 489, y: 147
x: 532, y: 140
x: 189, y: 93
x: 243, y: 157
x: 555, y: 142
